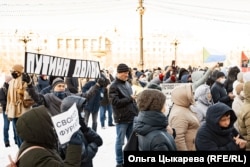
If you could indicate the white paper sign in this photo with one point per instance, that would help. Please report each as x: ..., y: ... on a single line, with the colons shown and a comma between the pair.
x: 66, y: 124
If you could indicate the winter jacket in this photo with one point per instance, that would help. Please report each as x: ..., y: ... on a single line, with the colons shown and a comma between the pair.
x: 41, y: 83
x: 244, y: 116
x: 93, y: 103
x: 52, y: 102
x: 219, y: 94
x: 199, y: 78
x: 3, y: 96
x: 89, y: 148
x: 202, y: 102
x: 182, y: 119
x: 124, y: 106
x: 237, y: 106
x: 36, y: 129
x: 149, y: 121
x: 211, y: 137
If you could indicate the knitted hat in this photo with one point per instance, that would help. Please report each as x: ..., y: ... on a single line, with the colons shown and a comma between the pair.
x: 122, y: 68
x: 68, y: 101
x: 151, y: 100
x: 17, y: 68
x: 57, y: 81
x: 220, y: 74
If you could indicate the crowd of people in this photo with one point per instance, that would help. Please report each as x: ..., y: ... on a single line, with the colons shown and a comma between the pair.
x: 209, y: 111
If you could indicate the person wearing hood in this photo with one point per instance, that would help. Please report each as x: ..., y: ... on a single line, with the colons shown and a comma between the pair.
x: 218, y: 132
x: 151, y: 118
x: 203, y: 99
x: 238, y: 102
x: 90, y: 141
x: 53, y: 100
x: 36, y: 129
x: 200, y: 77
x: 244, y: 115
x: 182, y: 118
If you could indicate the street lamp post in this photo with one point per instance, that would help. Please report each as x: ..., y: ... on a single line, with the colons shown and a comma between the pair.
x: 25, y: 40
x: 141, y: 10
x: 175, y: 43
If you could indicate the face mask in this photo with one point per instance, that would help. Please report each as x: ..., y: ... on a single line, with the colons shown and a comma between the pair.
x: 222, y: 81
x: 60, y: 95
x: 15, y: 74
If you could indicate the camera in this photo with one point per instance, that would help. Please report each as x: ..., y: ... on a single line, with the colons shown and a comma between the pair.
x: 220, y: 64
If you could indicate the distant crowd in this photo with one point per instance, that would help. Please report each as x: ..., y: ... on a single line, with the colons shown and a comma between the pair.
x: 210, y: 111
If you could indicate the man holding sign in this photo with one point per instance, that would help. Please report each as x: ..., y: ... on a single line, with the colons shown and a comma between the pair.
x: 53, y: 100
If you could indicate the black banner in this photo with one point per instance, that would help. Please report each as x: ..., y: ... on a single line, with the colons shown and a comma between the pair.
x: 57, y: 66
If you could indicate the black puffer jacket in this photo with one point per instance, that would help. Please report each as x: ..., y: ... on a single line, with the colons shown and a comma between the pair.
x: 211, y: 137
x: 124, y: 107
x: 148, y: 122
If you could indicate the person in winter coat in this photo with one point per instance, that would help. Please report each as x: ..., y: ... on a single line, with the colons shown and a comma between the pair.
x: 219, y: 92
x: 53, y: 100
x: 105, y: 105
x: 244, y: 115
x: 200, y: 77
x: 91, y: 140
x: 3, y: 102
x: 151, y: 119
x: 42, y: 82
x: 124, y: 108
x: 238, y: 102
x: 218, y: 132
x: 15, y: 98
x: 93, y: 105
x: 203, y: 99
x: 36, y: 129
x: 182, y: 118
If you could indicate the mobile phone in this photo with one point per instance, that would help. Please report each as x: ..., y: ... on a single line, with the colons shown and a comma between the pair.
x: 220, y: 64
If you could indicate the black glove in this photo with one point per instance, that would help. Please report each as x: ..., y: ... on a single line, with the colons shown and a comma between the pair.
x: 91, y: 136
x: 101, y: 82
x: 76, y: 138
x: 26, y: 78
x: 83, y: 127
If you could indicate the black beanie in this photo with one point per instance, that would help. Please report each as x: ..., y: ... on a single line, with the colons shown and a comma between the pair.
x: 68, y: 101
x: 57, y: 81
x: 151, y: 100
x: 220, y: 74
x: 122, y: 68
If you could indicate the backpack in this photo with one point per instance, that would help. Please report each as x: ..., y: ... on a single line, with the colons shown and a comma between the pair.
x: 14, y: 163
x: 133, y: 141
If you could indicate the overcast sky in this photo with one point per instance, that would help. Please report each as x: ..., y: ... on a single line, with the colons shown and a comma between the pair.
x: 221, y: 21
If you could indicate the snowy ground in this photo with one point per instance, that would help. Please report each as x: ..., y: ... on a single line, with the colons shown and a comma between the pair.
x: 104, y: 157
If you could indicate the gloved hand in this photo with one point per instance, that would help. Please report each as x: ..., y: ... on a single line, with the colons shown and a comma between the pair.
x: 91, y: 136
x: 83, y: 127
x: 76, y: 138
x: 102, y: 82
x: 26, y: 78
